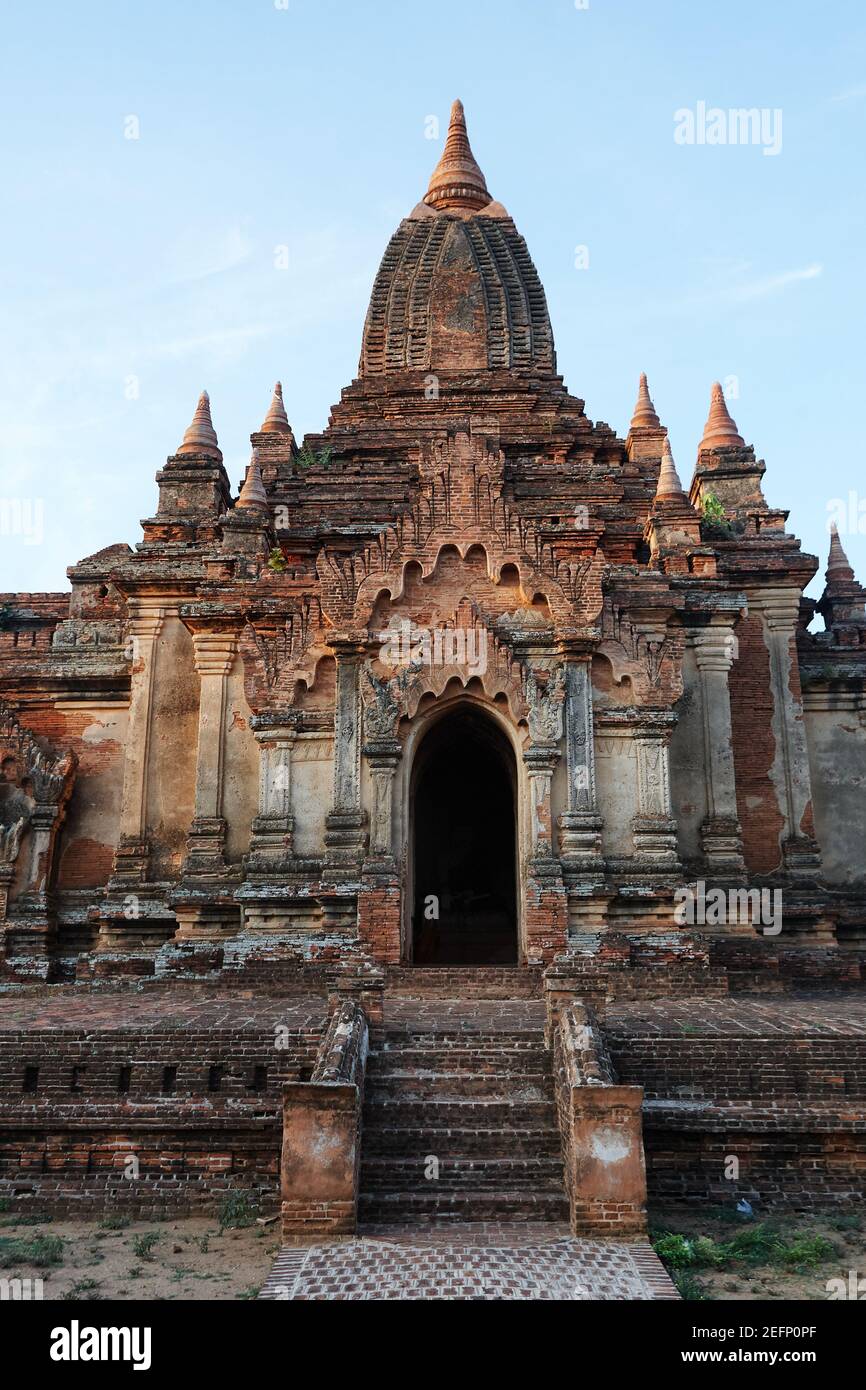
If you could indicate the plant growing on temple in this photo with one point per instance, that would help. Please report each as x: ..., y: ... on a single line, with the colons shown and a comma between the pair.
x: 277, y: 560
x: 312, y: 458
x: 713, y: 509
x: 715, y: 521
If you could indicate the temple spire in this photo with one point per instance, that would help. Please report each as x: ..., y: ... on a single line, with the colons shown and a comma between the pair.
x: 200, y: 437
x: 276, y: 421
x: 252, y: 495
x: 720, y: 432
x: 457, y: 181
x: 669, y: 484
x: 838, y: 566
x: 645, y: 416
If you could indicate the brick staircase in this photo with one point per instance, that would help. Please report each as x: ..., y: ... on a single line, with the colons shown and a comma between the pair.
x: 471, y: 1090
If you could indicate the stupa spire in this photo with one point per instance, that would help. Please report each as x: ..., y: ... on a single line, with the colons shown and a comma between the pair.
x: 838, y: 566
x: 645, y: 417
x: 669, y: 484
x: 200, y: 436
x: 457, y: 180
x: 720, y: 432
x: 252, y: 495
x: 276, y: 421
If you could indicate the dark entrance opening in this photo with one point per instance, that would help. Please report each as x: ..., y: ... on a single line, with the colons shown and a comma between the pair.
x: 463, y: 817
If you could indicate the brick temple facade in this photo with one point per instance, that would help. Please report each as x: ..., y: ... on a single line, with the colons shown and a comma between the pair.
x: 466, y: 684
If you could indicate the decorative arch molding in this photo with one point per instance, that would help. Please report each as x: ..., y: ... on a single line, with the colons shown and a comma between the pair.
x: 565, y: 601
x: 463, y: 484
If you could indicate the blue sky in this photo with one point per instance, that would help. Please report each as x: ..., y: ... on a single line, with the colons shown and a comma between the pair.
x: 135, y: 272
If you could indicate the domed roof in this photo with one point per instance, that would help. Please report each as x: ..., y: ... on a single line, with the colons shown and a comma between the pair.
x: 457, y: 289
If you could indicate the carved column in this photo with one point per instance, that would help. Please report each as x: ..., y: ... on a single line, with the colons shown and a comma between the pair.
x: 214, y: 654
x: 540, y: 760
x: 132, y: 853
x: 544, y: 686
x: 779, y: 610
x: 383, y: 757
x: 51, y: 781
x: 654, y: 827
x: 721, y: 835
x: 380, y: 902
x: 580, y: 824
x: 10, y: 843
x: 545, y: 916
x: 271, y: 844
x: 344, y: 827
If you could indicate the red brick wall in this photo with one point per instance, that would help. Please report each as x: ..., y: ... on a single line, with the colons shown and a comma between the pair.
x: 754, y: 749
x: 66, y: 1150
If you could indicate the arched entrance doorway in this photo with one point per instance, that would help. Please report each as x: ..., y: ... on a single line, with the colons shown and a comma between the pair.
x: 462, y: 808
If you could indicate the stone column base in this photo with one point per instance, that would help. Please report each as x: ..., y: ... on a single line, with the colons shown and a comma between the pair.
x: 580, y: 841
x: 205, y: 846
x: 801, y: 857
x: 722, y: 845
x: 206, y: 921
x: 131, y: 864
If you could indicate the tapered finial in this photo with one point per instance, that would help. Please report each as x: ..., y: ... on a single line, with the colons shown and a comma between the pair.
x: 645, y: 416
x: 838, y: 566
x: 252, y: 495
x: 457, y: 181
x: 276, y: 421
x: 669, y: 484
x: 200, y: 437
x: 720, y: 432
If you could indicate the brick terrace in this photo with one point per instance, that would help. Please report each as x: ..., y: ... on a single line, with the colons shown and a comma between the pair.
x: 814, y: 1015
x: 169, y: 1009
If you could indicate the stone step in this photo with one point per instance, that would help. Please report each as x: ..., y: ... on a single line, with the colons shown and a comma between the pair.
x: 429, y: 1038
x: 408, y: 1207
x: 467, y: 1141
x: 477, y: 1062
x: 478, y: 1113
x: 460, y: 1085
x: 465, y: 982
x: 409, y: 1174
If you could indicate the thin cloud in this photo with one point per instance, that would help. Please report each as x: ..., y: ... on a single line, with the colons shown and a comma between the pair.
x: 740, y: 291
x: 772, y: 284
x: 228, y: 342
x: 851, y: 94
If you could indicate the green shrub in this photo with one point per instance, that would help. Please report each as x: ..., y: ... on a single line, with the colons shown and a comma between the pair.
x: 807, y: 1251
x: 143, y: 1246
x: 40, y: 1251
x: 236, y: 1211
x: 114, y: 1223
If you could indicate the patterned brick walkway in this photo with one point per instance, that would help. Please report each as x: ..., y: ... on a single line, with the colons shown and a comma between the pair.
x: 514, y: 1263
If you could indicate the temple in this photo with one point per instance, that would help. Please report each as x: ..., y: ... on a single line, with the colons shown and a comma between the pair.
x: 467, y: 699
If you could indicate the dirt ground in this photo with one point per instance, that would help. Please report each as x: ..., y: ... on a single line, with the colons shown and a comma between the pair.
x: 814, y: 1249
x: 184, y: 1259
x: 792, y: 1257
